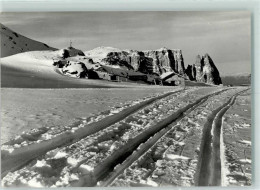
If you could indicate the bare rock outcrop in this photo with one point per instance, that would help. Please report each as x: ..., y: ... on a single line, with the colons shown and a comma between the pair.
x: 154, y: 62
x: 198, y: 66
x: 210, y: 71
x: 121, y: 59
x: 141, y: 63
x: 167, y: 60
x: 179, y: 62
x: 189, y: 71
x: 204, y: 70
x: 150, y: 62
x: 163, y: 59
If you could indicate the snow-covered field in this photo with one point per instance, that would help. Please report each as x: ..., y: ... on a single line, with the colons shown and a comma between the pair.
x: 237, y: 142
x: 126, y: 137
x: 25, y: 109
x: 176, y: 158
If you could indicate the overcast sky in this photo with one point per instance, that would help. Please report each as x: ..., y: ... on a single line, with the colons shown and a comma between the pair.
x: 225, y: 36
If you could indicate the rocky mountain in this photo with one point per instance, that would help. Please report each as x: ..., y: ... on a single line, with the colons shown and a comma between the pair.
x: 210, y: 71
x: 98, y: 53
x: 204, y: 70
x: 13, y: 43
x: 156, y: 62
x: 121, y: 59
x: 189, y: 71
x: 165, y: 60
x: 149, y: 61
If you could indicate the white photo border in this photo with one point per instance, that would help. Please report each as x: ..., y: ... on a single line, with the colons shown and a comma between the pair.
x: 169, y: 5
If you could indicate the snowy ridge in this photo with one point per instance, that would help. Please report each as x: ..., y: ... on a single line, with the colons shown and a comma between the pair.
x: 97, y: 54
x: 13, y: 43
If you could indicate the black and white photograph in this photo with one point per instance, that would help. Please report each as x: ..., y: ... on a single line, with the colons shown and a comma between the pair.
x: 126, y: 99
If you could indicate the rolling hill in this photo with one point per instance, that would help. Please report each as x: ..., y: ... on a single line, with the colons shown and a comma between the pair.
x: 13, y: 43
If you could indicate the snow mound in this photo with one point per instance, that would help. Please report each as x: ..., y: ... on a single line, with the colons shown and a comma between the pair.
x: 166, y: 74
x: 245, y: 161
x: 245, y: 142
x: 42, y: 62
x: 161, y: 49
x: 34, y: 61
x: 99, y: 53
x: 41, y: 164
x: 76, y: 69
x: 176, y: 157
x: 60, y: 155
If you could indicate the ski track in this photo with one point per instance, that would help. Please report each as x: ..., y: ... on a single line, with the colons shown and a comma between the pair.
x: 11, y: 161
x: 236, y: 143
x: 136, y: 139
x: 209, y: 168
x: 150, y: 143
x: 133, y: 175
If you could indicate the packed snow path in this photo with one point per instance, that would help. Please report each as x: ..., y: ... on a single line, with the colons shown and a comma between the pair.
x: 91, y: 158
x: 175, y: 152
x: 209, y: 167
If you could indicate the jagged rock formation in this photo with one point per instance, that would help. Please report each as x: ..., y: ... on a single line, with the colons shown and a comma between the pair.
x: 179, y: 62
x: 166, y: 60
x: 13, y: 43
x: 210, y: 71
x: 159, y: 62
x: 118, y: 58
x: 150, y: 62
x: 198, y: 67
x: 189, y: 71
x: 204, y: 70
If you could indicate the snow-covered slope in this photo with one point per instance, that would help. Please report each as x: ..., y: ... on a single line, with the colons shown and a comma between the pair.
x: 13, y: 43
x: 40, y: 62
x: 35, y: 70
x: 99, y: 53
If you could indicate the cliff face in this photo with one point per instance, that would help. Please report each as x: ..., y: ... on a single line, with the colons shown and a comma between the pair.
x: 154, y: 61
x: 198, y: 67
x: 118, y: 58
x: 210, y: 71
x: 189, y: 71
x: 158, y: 62
x: 204, y: 70
x: 167, y: 60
